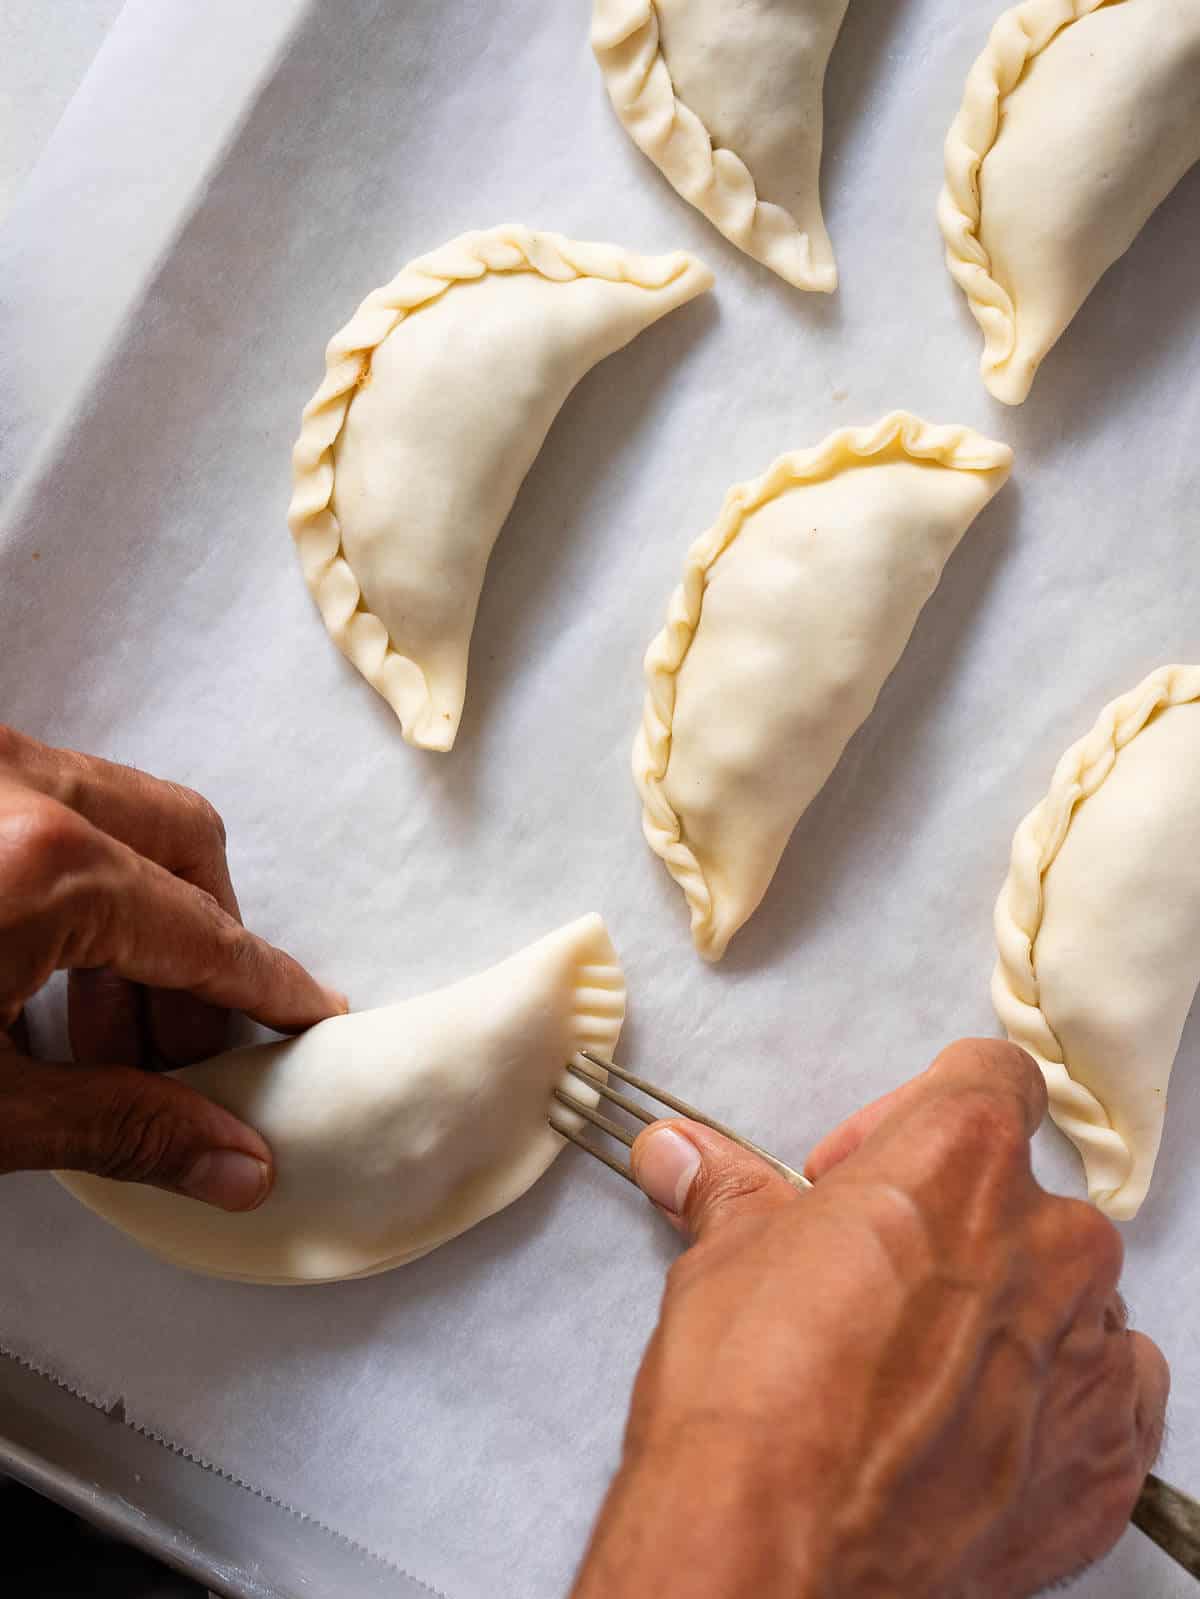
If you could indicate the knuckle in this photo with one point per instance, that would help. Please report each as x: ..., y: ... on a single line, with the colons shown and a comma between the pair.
x: 1154, y: 1363
x: 1091, y: 1237
x: 1001, y: 1064
x: 230, y: 951
x: 731, y: 1185
x: 986, y: 1130
x: 41, y: 842
x: 1115, y: 1499
x: 12, y: 745
x: 207, y: 820
x: 137, y: 1137
x: 238, y: 950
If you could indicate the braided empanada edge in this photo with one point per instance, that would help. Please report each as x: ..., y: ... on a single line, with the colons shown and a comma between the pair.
x: 1016, y: 993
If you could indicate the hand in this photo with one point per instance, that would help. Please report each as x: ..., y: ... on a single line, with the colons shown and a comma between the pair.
x: 915, y: 1379
x: 122, y: 879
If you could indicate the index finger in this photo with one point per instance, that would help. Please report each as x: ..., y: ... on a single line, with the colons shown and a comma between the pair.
x: 78, y: 898
x: 164, y: 821
x: 988, y: 1064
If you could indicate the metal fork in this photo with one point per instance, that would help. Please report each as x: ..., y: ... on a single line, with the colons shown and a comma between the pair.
x: 1166, y: 1515
x: 595, y: 1075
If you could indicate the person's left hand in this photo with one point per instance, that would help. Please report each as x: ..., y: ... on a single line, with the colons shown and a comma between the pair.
x: 122, y: 880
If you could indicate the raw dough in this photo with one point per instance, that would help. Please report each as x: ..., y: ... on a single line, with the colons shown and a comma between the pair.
x: 393, y: 1130
x: 1078, y: 120
x: 1098, y: 929
x: 794, y: 608
x: 727, y: 100
x: 438, y: 395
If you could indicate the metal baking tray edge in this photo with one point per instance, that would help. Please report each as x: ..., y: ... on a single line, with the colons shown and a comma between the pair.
x: 237, y: 1541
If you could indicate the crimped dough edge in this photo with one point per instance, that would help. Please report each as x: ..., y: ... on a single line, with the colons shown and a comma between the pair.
x: 625, y: 42
x: 1016, y: 993
x: 959, y: 448
x: 1018, y: 37
x: 593, y: 1022
x: 358, y: 633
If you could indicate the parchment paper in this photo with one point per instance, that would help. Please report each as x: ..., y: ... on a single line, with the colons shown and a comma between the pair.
x: 461, y: 1417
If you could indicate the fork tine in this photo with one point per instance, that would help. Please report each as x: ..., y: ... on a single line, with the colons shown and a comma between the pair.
x: 640, y: 1111
x: 682, y: 1108
x: 605, y: 1123
x: 581, y: 1142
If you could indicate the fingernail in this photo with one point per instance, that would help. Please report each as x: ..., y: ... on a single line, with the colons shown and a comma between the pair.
x: 228, y: 1179
x: 338, y: 1002
x: 667, y: 1164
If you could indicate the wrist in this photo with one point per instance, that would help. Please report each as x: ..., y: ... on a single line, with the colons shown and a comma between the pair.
x: 706, y: 1513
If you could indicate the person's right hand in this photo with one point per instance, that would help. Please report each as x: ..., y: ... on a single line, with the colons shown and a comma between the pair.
x: 915, y: 1380
x: 122, y: 880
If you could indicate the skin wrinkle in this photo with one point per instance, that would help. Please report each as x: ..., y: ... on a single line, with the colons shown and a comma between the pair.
x: 922, y: 1433
x: 977, y: 1447
x: 77, y: 892
x: 181, y: 831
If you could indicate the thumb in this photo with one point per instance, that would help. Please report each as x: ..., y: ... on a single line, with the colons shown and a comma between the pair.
x: 135, y: 1126
x: 701, y: 1180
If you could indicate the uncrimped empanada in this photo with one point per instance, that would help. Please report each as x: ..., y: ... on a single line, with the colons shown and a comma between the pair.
x: 794, y: 608
x: 1078, y: 120
x: 438, y: 394
x: 393, y: 1130
x: 1098, y: 930
x: 727, y: 100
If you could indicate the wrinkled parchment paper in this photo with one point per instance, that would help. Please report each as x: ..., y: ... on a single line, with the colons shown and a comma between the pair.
x: 229, y: 183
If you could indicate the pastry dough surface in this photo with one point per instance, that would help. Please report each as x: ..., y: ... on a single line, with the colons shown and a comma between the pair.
x: 793, y: 610
x: 1078, y: 120
x: 438, y: 396
x: 1098, y: 929
x: 393, y: 1130
x: 727, y: 101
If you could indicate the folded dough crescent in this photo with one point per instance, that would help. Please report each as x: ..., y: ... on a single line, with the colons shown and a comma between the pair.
x: 1077, y: 121
x: 393, y: 1130
x: 727, y: 100
x: 438, y: 395
x: 1098, y: 930
x: 794, y: 608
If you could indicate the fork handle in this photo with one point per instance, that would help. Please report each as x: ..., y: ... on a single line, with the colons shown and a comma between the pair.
x: 1172, y: 1520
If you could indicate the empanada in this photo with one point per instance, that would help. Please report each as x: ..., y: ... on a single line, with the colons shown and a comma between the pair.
x: 393, y: 1130
x: 1098, y: 930
x: 1078, y: 119
x: 438, y: 394
x: 727, y: 101
x: 794, y: 608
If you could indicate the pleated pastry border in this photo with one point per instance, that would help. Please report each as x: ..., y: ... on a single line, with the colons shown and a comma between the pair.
x: 959, y: 448
x: 626, y: 44
x: 1018, y: 37
x: 360, y: 635
x: 1016, y: 993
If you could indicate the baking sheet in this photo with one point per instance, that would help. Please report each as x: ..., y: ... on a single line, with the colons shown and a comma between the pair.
x: 461, y: 1417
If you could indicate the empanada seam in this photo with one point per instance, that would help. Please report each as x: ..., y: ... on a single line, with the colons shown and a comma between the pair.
x: 1016, y: 992
x: 1018, y: 38
x: 676, y: 140
x: 959, y: 448
x: 360, y: 635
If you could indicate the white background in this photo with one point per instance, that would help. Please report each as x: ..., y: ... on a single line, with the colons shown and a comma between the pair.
x: 225, y: 187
